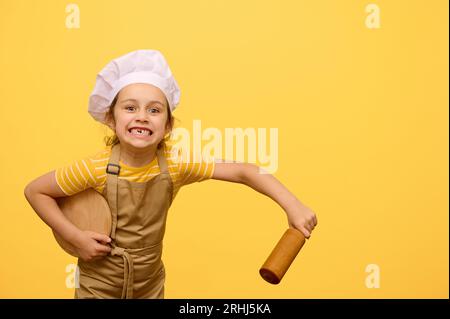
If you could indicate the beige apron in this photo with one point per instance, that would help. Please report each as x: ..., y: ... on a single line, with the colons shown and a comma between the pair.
x: 134, y: 269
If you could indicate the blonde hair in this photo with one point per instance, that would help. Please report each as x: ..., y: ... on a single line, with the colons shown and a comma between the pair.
x: 113, y: 140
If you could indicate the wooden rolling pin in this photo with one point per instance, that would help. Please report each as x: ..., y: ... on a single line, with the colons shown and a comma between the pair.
x: 282, y: 256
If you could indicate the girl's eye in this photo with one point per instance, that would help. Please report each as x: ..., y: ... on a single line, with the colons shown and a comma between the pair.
x: 152, y: 110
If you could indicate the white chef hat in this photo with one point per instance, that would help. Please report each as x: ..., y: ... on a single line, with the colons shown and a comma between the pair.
x: 141, y: 66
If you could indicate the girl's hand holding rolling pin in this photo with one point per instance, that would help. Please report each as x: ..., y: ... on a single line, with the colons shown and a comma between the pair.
x: 301, y: 218
x: 91, y: 246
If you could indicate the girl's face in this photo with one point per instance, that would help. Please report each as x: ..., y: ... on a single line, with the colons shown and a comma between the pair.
x: 140, y: 115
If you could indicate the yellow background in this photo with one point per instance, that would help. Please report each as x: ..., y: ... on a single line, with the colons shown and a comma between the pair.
x: 362, y: 116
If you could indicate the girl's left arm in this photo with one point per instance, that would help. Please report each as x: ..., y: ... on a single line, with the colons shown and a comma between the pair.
x: 299, y: 216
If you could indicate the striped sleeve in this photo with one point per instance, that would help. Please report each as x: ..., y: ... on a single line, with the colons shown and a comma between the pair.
x: 194, y: 168
x: 76, y: 177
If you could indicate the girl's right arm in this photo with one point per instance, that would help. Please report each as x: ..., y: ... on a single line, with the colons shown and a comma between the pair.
x: 41, y: 194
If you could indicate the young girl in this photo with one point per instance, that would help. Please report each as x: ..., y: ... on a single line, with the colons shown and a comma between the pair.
x: 139, y: 174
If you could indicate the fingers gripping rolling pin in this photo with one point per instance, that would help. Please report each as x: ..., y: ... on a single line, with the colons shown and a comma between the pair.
x: 282, y: 256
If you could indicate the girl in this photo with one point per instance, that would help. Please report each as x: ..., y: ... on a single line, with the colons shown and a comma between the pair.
x: 139, y: 174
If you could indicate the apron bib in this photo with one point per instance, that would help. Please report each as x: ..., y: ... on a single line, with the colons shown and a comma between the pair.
x: 134, y: 268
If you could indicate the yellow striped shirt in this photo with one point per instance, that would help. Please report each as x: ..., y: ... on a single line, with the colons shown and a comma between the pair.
x: 91, y: 171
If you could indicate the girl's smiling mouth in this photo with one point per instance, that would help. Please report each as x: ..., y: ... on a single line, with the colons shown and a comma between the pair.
x: 140, y: 132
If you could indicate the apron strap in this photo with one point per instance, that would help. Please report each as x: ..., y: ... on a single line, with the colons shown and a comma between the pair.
x: 112, y: 176
x: 128, y: 264
x: 128, y: 271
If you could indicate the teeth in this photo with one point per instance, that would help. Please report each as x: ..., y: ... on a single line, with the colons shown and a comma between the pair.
x: 140, y: 131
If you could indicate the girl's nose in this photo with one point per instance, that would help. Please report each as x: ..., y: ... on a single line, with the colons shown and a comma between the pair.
x: 142, y: 116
